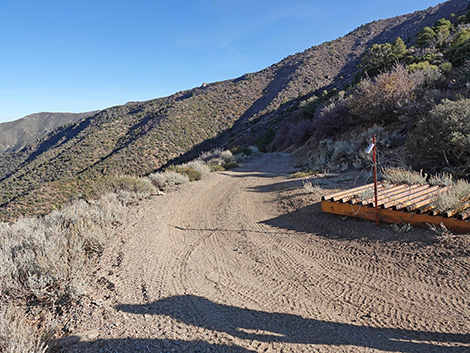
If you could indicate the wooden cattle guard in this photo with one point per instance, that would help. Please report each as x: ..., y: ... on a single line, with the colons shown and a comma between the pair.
x: 411, y: 204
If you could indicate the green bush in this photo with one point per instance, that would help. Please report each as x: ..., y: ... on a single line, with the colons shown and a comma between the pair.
x: 426, y: 36
x: 381, y: 57
x: 459, y: 51
x: 442, y: 137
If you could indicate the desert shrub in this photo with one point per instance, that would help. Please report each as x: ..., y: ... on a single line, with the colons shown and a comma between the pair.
x: 45, y: 259
x: 217, y: 154
x: 341, y: 154
x: 167, y: 179
x: 453, y: 197
x: 300, y: 132
x: 218, y: 159
x: 215, y: 167
x: 230, y: 165
x: 403, y: 176
x: 242, y: 149
x: 292, y: 134
x: 141, y: 187
x: 442, y: 179
x: 194, y: 170
x: 265, y: 139
x: 17, y: 334
x: 333, y: 119
x: 442, y: 137
x: 200, y: 167
x: 384, y: 98
x: 241, y: 157
x: 189, y: 172
x: 401, y: 227
x: 209, y: 155
x: 310, y: 188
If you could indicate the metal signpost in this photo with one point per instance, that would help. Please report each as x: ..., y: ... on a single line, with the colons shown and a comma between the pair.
x: 372, y: 148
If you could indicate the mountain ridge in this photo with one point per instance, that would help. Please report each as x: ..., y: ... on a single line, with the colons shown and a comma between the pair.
x: 16, y: 134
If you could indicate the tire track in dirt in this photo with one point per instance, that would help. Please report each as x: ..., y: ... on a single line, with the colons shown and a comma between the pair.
x: 203, y: 264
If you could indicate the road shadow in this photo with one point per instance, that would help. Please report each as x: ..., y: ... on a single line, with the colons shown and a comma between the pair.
x: 275, y: 187
x: 263, y: 326
x: 148, y: 345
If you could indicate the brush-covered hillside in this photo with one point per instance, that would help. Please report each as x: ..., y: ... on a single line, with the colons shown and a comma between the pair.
x: 138, y: 138
x: 16, y: 134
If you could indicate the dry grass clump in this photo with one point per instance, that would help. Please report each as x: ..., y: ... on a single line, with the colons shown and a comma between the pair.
x: 311, y: 188
x: 167, y: 179
x: 194, y: 170
x: 302, y: 174
x: 443, y: 235
x: 401, y: 227
x: 17, y: 335
x: 403, y: 176
x: 443, y: 179
x: 131, y: 188
x: 454, y: 198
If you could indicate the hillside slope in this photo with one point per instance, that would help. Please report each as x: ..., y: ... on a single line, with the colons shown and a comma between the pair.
x: 140, y: 137
x: 14, y: 135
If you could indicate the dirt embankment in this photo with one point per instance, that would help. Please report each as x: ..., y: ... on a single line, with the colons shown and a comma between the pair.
x: 244, y: 261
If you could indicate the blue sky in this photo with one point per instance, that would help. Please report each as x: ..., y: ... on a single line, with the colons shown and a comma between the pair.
x: 82, y: 55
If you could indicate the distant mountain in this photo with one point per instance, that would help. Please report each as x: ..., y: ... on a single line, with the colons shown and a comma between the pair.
x: 16, y: 134
x: 141, y: 137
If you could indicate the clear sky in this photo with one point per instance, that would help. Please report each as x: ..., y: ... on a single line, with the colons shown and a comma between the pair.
x: 82, y: 55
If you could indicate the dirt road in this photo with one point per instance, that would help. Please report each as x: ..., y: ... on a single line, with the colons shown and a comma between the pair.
x: 244, y: 261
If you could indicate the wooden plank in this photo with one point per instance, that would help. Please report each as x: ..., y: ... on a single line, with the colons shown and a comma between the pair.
x: 404, y: 196
x: 385, y: 194
x: 391, y: 216
x: 427, y: 206
x: 353, y: 198
x: 396, y: 195
x: 421, y: 206
x: 465, y: 215
x: 419, y: 196
x: 457, y: 210
x: 336, y: 196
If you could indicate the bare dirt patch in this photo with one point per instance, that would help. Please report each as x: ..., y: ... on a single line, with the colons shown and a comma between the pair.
x: 244, y: 261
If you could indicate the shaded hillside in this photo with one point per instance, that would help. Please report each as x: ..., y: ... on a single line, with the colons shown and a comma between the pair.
x: 16, y: 134
x: 138, y: 138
